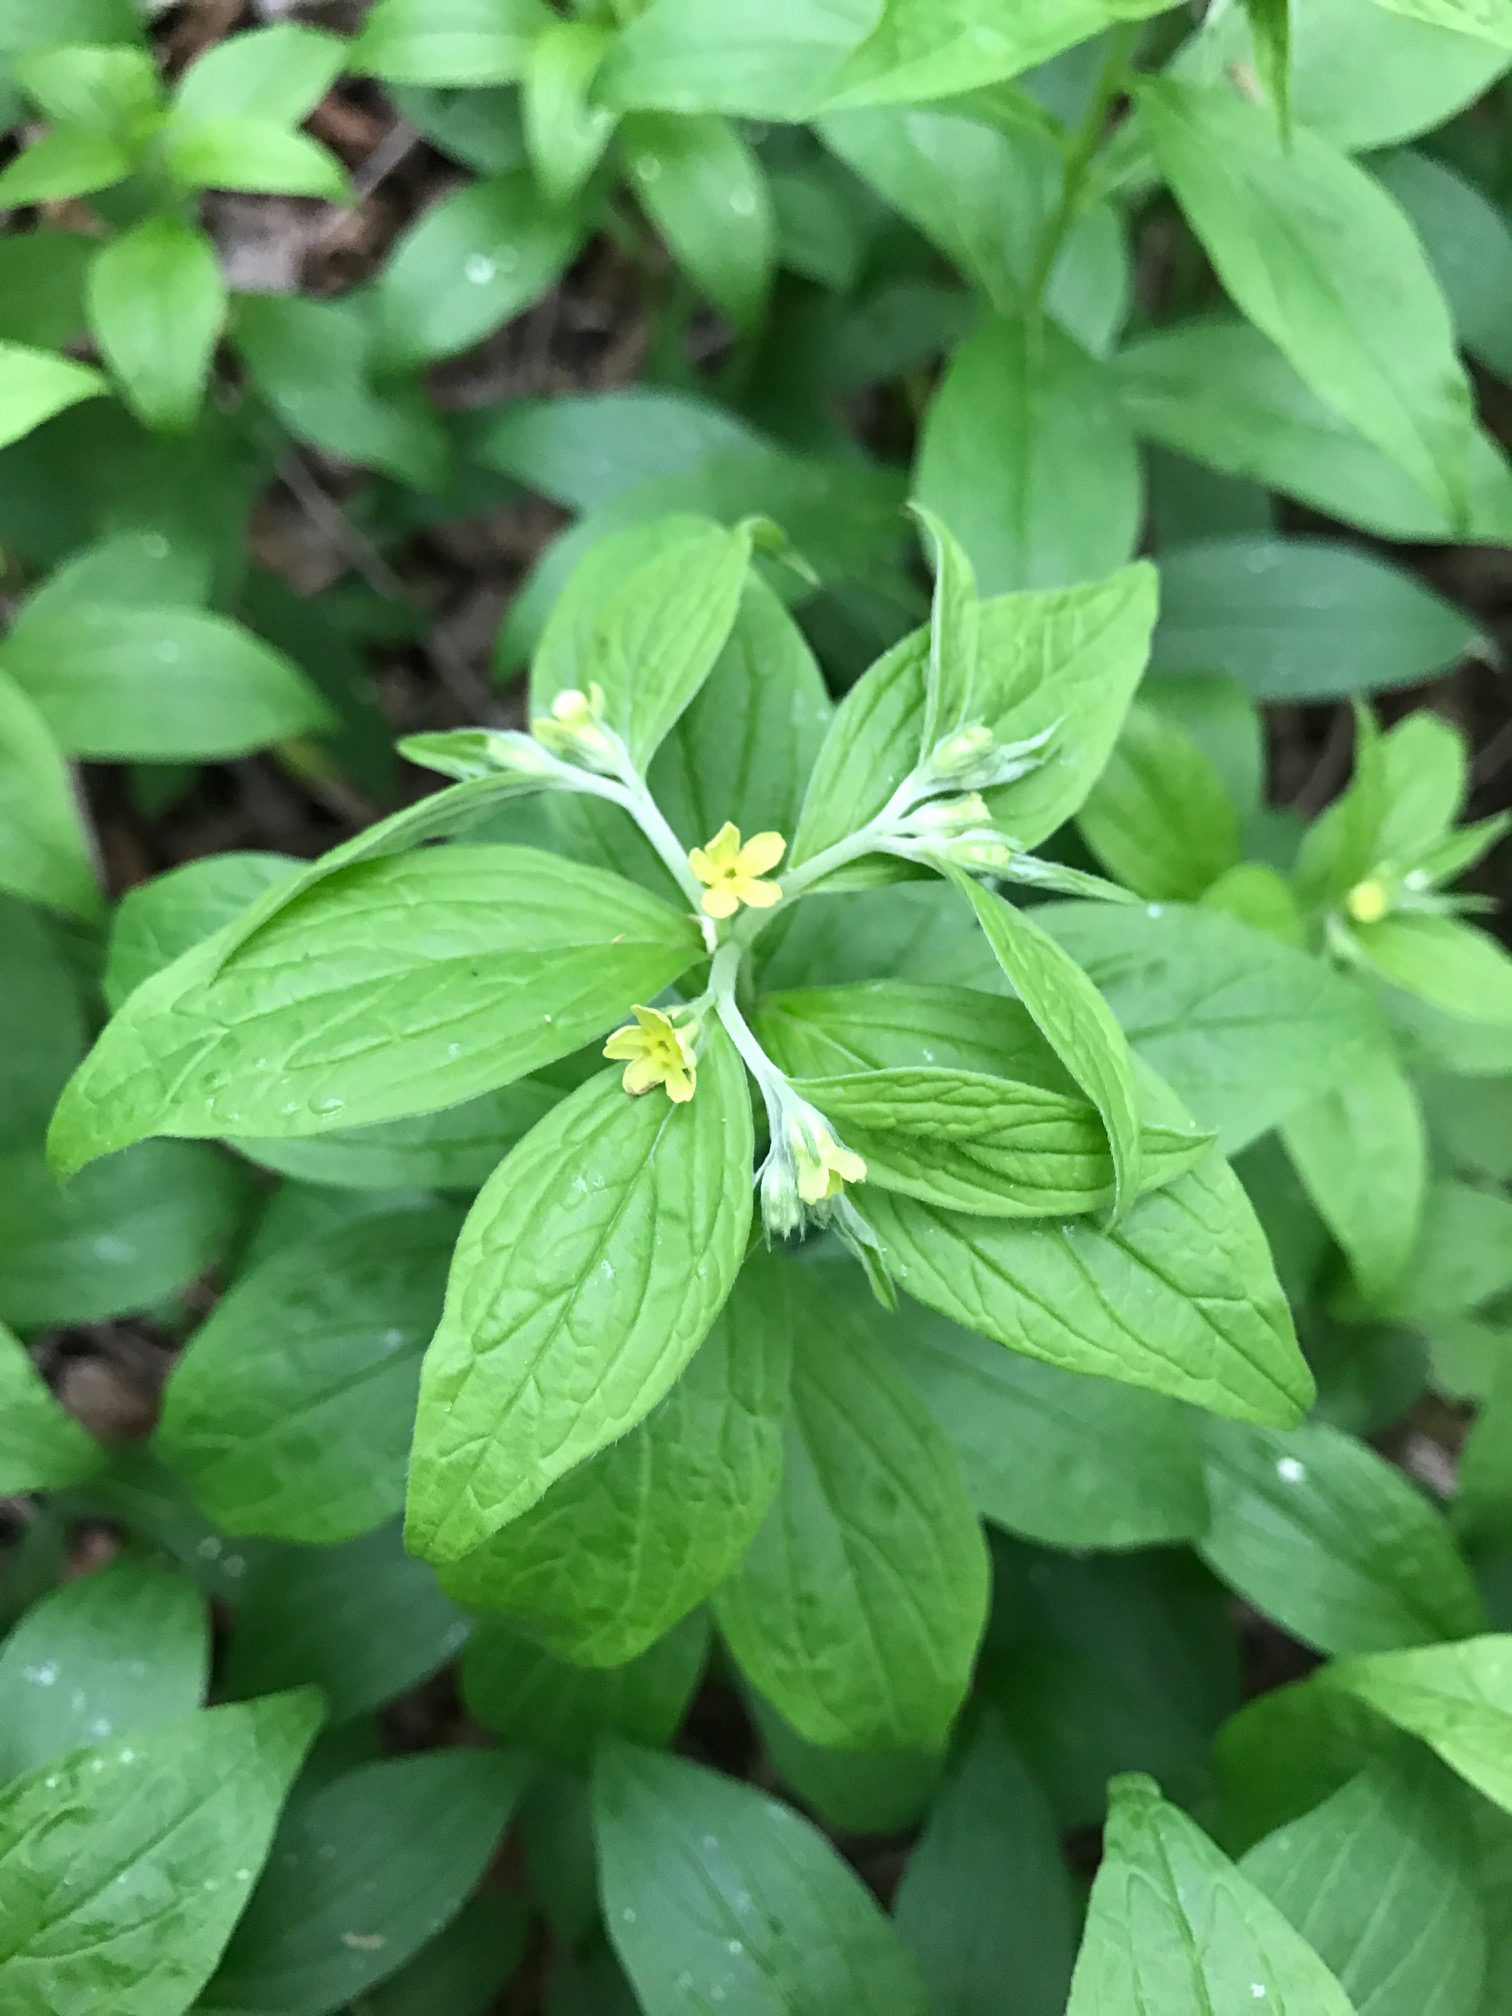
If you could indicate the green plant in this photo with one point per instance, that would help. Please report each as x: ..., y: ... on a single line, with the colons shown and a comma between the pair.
x: 857, y: 1286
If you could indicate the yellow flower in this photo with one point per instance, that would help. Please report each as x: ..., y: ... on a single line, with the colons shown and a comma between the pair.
x: 824, y: 1166
x: 1368, y: 901
x: 655, y: 1051
x: 732, y: 872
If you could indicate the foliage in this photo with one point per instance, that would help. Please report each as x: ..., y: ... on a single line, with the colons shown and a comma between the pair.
x: 780, y: 1295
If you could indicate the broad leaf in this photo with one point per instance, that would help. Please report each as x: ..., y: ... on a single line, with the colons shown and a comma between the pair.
x: 1181, y: 1297
x: 629, y: 1542
x: 116, y: 1653
x: 1055, y: 1456
x: 857, y: 1610
x: 279, y: 73
x: 157, y: 684
x: 1322, y: 261
x: 1026, y: 455
x: 469, y: 42
x: 364, y: 1871
x: 42, y: 1447
x: 34, y: 385
x: 1159, y: 818
x: 45, y: 848
x: 157, y: 304
x: 1321, y: 1534
x: 309, y: 1442
x: 706, y: 192
x: 986, y: 1902
x: 123, y: 1868
x: 712, y: 1891
x: 565, y: 1712
x: 1174, y: 1926
x: 1380, y: 1881
x: 587, y: 1275
x: 1448, y: 964
x: 1456, y: 1698
x: 395, y: 986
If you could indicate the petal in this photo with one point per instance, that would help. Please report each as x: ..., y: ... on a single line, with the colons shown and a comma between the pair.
x: 720, y: 902
x: 625, y: 1043
x: 651, y: 1020
x: 761, y: 852
x: 640, y: 1076
x: 702, y: 866
x: 849, y: 1165
x: 680, y: 1087
x: 760, y: 895
x: 724, y: 849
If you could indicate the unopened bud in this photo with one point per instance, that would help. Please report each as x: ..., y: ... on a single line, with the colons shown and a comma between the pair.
x: 950, y: 815
x: 1368, y: 901
x: 575, y: 729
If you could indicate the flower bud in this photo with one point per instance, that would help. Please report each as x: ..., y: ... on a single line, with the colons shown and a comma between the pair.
x: 575, y: 729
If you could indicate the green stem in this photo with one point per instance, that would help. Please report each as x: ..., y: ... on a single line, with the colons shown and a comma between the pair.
x: 1080, y: 153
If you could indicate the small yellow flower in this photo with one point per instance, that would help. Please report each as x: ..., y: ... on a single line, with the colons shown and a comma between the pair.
x: 1368, y: 902
x: 824, y: 1166
x: 575, y: 726
x: 732, y: 872
x: 655, y: 1051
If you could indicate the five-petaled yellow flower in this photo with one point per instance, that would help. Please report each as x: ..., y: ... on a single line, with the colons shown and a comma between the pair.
x: 655, y: 1050
x: 824, y: 1166
x: 732, y: 873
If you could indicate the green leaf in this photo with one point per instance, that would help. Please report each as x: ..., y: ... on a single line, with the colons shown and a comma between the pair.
x: 1046, y: 660
x: 1427, y: 780
x: 251, y: 153
x: 185, y: 1815
x: 163, y: 917
x: 1469, y: 245
x: 467, y: 42
x: 1026, y: 454
x: 1463, y: 1256
x: 1380, y: 1881
x: 308, y: 1443
x: 858, y: 1608
x: 475, y: 259
x: 566, y: 131
x: 985, y: 194
x: 528, y: 1697
x: 1057, y: 1457
x: 1244, y: 1029
x: 279, y: 73
x: 705, y: 190
x: 1182, y: 1297
x: 465, y: 1969
x: 556, y: 1341
x: 1327, y: 1538
x: 715, y: 1895
x: 156, y: 685
x: 1448, y: 964
x: 118, y: 1652
x: 856, y: 1791
x: 45, y: 846
x: 364, y: 1622
x: 100, y: 90
x: 311, y: 360
x: 157, y: 305
x: 1159, y: 817
x: 745, y: 744
x: 1217, y: 390
x: 364, y: 1870
x: 42, y: 286
x: 42, y: 1447
x: 45, y: 1017
x: 690, y: 56
x: 989, y: 1145
x: 1361, y: 77
x: 1362, y: 1154
x: 1456, y: 1698
x: 488, y: 962
x: 1074, y: 1020
x: 986, y: 1902
x: 1270, y: 27
x: 1174, y: 1926
x: 64, y: 163
x: 34, y: 385
x: 922, y: 49
x: 1474, y: 17
x: 645, y: 618
x: 1295, y: 619
x: 629, y: 1542
x: 456, y: 1149
x: 1320, y: 259
x: 115, y: 1241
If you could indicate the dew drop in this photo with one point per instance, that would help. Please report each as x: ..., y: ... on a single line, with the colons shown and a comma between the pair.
x: 1154, y: 909
x: 648, y: 167
x: 1289, y: 1470
x: 331, y: 1105
x: 234, y: 1565
x: 155, y: 546
x: 480, y: 269
x: 42, y: 1676
x: 207, y: 1550
x: 743, y: 202
x: 168, y: 654
x: 627, y: 1915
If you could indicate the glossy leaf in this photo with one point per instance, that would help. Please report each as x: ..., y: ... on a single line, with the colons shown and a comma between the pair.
x: 1455, y: 1698
x: 157, y: 304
